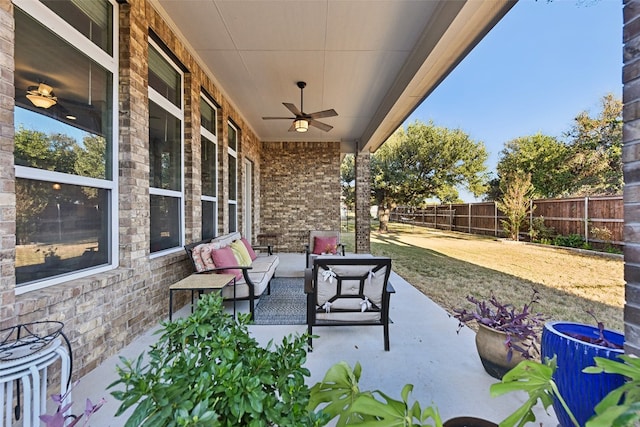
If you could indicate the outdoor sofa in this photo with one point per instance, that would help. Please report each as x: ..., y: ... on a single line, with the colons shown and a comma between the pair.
x: 253, y: 274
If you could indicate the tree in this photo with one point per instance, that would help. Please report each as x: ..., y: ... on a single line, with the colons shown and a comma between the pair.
x: 423, y: 162
x: 544, y: 158
x: 596, y: 144
x: 347, y: 180
x: 515, y: 203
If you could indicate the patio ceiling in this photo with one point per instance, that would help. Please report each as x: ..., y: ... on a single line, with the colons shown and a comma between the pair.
x: 371, y: 61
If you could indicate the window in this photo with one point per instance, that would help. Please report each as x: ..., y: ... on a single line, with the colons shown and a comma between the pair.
x: 64, y: 145
x: 209, y: 168
x: 233, y: 177
x: 166, y: 117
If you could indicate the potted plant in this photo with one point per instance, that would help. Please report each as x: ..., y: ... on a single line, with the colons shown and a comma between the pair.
x: 576, y: 345
x: 505, y: 334
x: 621, y: 407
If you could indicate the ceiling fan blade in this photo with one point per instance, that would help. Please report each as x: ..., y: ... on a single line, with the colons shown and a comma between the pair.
x: 292, y: 108
x: 278, y: 118
x: 325, y: 127
x: 292, y: 128
x: 322, y: 114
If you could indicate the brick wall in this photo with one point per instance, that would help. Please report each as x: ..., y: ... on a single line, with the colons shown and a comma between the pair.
x: 631, y: 167
x: 300, y: 190
x: 7, y: 175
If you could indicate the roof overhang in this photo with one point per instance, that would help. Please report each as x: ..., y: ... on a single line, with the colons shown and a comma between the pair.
x: 373, y: 62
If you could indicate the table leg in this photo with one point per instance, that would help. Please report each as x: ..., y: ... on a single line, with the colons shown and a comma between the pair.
x: 170, y: 303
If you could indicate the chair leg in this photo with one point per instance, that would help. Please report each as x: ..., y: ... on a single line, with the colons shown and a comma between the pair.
x: 386, y: 336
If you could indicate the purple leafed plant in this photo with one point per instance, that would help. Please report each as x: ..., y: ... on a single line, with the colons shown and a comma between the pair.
x: 58, y: 419
x: 601, y: 340
x: 522, y: 327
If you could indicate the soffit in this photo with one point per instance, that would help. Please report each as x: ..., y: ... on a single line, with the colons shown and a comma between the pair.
x: 371, y: 61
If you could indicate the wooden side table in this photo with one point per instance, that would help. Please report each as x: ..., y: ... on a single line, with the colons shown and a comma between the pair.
x: 200, y: 283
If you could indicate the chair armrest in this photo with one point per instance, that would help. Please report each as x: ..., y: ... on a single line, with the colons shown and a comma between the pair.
x: 268, y: 248
x: 308, y: 280
x: 390, y: 288
x: 307, y: 249
x: 233, y: 267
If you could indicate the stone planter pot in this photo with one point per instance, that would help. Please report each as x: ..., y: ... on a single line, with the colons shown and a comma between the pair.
x: 493, y: 352
x: 582, y: 392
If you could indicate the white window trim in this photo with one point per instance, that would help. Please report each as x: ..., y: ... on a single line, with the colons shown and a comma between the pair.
x: 178, y: 113
x: 49, y: 19
x: 234, y: 154
x: 214, y: 139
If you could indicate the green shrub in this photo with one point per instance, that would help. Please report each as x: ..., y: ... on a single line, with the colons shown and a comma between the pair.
x: 571, y: 241
x: 206, y: 370
x: 539, y: 232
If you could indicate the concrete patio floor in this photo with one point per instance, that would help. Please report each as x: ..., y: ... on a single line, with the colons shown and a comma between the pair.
x: 425, y: 351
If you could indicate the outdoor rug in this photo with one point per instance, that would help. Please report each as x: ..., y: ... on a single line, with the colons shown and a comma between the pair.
x: 286, y: 305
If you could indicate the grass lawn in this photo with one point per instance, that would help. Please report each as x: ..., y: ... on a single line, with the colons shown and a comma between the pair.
x: 448, y: 266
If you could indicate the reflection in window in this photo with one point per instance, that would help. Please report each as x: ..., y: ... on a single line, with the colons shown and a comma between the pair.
x: 207, y: 116
x: 164, y: 78
x: 64, y: 149
x: 59, y: 229
x: 208, y: 165
x: 164, y: 149
x: 165, y: 223
x: 91, y: 18
x: 208, y: 216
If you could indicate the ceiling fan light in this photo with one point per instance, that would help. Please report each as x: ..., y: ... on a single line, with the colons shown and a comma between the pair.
x: 301, y: 125
x: 42, y: 96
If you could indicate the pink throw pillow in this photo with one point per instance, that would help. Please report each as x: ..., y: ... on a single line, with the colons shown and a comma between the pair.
x: 224, y: 257
x: 252, y: 253
x: 324, y: 245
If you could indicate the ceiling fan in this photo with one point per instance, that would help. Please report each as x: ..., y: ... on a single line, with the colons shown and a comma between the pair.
x: 302, y: 120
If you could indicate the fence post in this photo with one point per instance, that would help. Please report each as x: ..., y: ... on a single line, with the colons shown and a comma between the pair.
x: 586, y: 219
x: 469, y: 222
x: 495, y: 223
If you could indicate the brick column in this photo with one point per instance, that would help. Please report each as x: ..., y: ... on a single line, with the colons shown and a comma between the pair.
x: 363, y: 201
x: 7, y: 171
x: 133, y: 153
x: 631, y: 166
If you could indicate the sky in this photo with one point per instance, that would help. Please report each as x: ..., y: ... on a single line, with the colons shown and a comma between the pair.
x: 536, y: 70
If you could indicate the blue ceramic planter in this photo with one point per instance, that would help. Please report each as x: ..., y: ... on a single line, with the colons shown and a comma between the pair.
x: 581, y: 391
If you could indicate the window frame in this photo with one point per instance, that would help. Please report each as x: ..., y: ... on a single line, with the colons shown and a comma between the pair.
x: 56, y: 24
x: 213, y: 138
x: 177, y: 112
x: 233, y: 153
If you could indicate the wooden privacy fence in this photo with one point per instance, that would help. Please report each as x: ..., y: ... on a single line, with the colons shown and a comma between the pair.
x: 567, y: 216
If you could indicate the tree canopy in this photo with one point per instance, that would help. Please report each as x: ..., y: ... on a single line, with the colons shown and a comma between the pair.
x: 426, y: 161
x: 542, y: 157
x: 589, y: 162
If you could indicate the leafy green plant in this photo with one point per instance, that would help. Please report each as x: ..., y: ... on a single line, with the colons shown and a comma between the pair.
x: 621, y: 407
x: 341, y: 392
x: 539, y: 232
x: 516, y: 203
x: 206, y: 370
x: 535, y: 379
x: 570, y: 241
